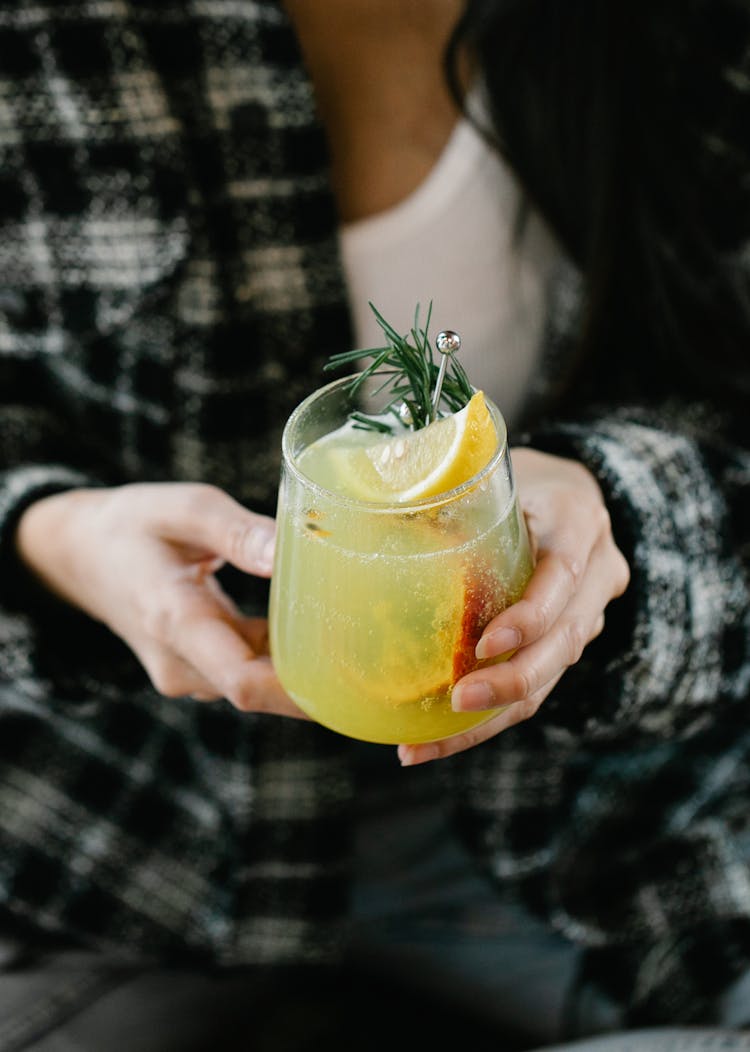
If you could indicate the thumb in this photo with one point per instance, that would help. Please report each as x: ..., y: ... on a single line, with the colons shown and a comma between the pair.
x: 211, y: 518
x: 247, y: 540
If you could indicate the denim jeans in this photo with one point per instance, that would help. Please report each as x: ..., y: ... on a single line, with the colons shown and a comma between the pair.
x: 424, y: 912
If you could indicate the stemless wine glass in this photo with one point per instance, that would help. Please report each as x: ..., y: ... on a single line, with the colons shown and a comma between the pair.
x: 376, y: 609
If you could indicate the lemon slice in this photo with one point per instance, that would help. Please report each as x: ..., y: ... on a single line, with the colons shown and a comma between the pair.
x: 411, y: 465
x: 422, y: 641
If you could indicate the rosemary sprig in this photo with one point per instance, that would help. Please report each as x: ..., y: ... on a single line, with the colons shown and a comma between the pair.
x: 409, y: 373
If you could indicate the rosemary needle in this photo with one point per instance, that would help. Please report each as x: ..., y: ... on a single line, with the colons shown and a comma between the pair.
x: 409, y: 375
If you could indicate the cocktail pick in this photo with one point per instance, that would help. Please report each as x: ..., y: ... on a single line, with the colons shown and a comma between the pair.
x: 447, y: 342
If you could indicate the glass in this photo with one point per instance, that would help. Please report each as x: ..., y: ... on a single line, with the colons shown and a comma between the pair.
x: 375, y: 608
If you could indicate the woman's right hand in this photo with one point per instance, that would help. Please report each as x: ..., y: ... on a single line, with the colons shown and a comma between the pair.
x: 142, y: 558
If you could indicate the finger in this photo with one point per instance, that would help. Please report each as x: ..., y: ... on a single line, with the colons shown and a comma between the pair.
x: 561, y: 566
x: 197, y: 622
x: 223, y: 659
x: 547, y: 594
x: 536, y: 664
x: 214, y: 646
x: 230, y: 654
x: 170, y: 675
x: 207, y: 516
x: 252, y: 629
x: 255, y: 631
x: 411, y: 755
x: 556, y: 578
x: 258, y: 690
x: 251, y: 687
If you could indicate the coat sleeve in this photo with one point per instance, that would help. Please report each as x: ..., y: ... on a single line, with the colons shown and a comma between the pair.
x: 676, y: 647
x: 47, y: 648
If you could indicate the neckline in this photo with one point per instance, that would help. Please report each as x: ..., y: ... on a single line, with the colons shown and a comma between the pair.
x: 464, y: 150
x: 455, y: 163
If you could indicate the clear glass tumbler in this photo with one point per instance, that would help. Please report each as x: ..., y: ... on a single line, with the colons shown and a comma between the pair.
x: 376, y: 608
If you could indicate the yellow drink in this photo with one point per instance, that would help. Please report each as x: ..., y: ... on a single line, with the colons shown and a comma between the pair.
x: 376, y: 608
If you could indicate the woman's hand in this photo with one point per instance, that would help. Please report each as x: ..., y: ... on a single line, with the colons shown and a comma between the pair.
x: 141, y: 559
x: 579, y: 569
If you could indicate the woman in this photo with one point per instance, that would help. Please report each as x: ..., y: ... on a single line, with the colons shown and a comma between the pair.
x: 185, y: 228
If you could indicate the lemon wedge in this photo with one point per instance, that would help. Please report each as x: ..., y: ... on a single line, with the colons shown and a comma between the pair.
x: 410, y: 465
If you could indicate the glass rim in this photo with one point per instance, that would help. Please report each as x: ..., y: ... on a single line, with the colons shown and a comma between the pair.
x: 389, y: 507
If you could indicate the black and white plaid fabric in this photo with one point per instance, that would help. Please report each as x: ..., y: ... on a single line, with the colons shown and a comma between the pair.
x: 169, y: 289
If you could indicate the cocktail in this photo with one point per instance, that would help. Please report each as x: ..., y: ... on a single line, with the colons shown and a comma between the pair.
x: 395, y: 547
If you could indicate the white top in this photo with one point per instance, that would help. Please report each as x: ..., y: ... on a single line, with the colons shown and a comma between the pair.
x: 451, y: 242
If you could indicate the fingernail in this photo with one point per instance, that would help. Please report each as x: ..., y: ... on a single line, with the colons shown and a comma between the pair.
x: 408, y: 757
x: 266, y: 555
x: 472, y: 697
x: 261, y: 546
x: 498, y: 642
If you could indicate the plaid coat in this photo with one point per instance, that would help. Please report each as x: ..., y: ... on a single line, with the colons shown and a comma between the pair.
x: 169, y: 289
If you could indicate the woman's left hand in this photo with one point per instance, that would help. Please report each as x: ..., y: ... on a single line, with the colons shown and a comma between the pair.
x: 579, y: 569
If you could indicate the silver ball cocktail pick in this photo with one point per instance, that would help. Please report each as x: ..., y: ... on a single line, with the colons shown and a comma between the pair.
x: 447, y: 342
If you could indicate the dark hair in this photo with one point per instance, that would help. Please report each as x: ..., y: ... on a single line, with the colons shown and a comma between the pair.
x: 629, y: 137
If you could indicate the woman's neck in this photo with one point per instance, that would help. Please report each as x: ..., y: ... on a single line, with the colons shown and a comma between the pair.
x: 377, y: 70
